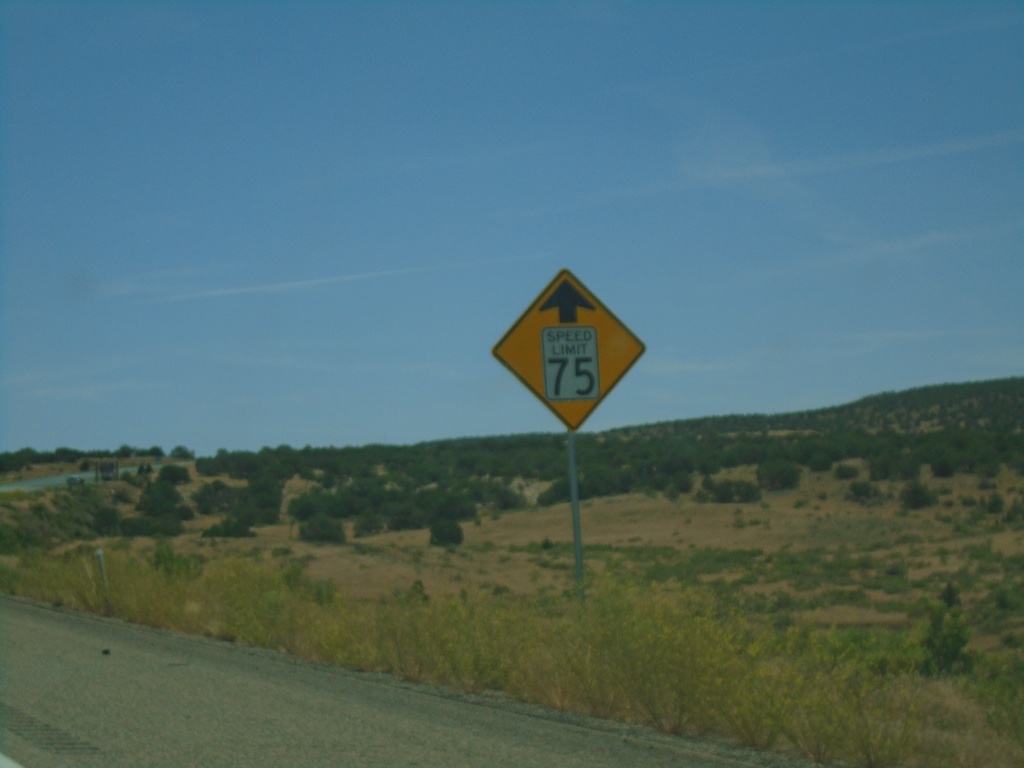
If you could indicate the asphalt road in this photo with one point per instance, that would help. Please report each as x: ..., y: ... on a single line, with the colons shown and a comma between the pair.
x: 41, y: 483
x: 78, y: 690
x: 54, y: 481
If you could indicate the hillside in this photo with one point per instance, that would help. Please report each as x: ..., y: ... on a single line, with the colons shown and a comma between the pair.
x: 894, y: 524
x: 996, y: 405
x: 955, y: 429
x: 894, y: 475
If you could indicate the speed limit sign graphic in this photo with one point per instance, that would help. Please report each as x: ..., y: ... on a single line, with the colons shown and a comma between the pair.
x: 568, y: 349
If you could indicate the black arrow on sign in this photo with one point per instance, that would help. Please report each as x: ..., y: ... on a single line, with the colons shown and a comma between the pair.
x: 568, y: 300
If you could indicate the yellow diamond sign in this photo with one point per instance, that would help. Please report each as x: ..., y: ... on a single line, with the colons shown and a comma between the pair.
x: 568, y: 349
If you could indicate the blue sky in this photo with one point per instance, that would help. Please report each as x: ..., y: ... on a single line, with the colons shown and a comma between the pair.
x: 231, y: 225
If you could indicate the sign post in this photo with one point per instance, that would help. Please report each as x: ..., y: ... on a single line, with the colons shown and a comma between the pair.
x: 570, y: 351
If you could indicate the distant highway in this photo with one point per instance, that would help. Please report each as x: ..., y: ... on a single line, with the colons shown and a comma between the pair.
x: 83, y: 691
x: 40, y: 483
x: 53, y: 481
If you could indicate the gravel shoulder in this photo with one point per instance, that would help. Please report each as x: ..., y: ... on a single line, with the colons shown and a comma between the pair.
x: 82, y: 690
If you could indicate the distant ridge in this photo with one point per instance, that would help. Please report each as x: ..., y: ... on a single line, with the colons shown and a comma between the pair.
x: 996, y: 404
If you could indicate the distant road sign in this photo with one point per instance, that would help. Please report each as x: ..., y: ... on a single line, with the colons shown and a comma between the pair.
x: 568, y: 349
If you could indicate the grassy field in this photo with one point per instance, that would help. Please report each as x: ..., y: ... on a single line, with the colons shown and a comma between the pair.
x: 845, y: 628
x: 809, y: 555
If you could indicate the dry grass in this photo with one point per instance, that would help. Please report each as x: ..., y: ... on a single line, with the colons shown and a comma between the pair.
x: 501, y: 552
x: 498, y: 617
x: 675, y: 661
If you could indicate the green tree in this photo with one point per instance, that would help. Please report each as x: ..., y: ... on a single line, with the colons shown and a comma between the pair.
x: 264, y: 496
x: 943, y: 465
x: 402, y: 514
x: 864, y: 492
x: 995, y: 504
x: 819, y: 462
x: 175, y: 474
x: 438, y: 504
x: 324, y: 529
x: 845, y: 472
x: 950, y: 595
x: 10, y: 540
x: 106, y: 521
x: 778, y: 474
x: 917, y: 495
x: 162, y: 499
x: 730, y: 491
x: 233, y: 526
x: 215, y: 498
x: 945, y: 641
x: 445, y: 533
x: 368, y: 524
x: 167, y: 525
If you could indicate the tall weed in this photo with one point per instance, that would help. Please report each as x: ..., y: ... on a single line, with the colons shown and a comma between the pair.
x: 666, y: 655
x: 673, y: 659
x: 469, y: 643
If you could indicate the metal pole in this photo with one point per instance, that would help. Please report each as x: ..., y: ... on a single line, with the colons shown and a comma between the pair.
x: 574, y: 498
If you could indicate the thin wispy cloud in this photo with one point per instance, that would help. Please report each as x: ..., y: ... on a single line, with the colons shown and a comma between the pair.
x: 815, y: 349
x: 1010, y: 358
x: 149, y: 285
x: 289, y: 286
x: 924, y: 244
x: 891, y: 248
x: 867, y: 46
x: 88, y: 392
x: 860, y: 160
x: 865, y: 253
x: 94, y: 380
x: 727, y: 364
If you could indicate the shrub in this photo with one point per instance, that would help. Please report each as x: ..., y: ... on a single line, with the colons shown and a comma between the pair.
x: 107, y: 521
x: 322, y: 528
x: 864, y: 492
x: 263, y: 496
x: 162, y: 499
x: 368, y: 524
x: 175, y: 474
x: 445, y: 533
x: 555, y: 493
x: 436, y: 504
x: 1015, y: 513
x: 232, y: 526
x: 402, y: 515
x: 820, y: 462
x: 778, y: 475
x: 165, y: 559
x: 943, y: 466
x: 845, y: 472
x: 917, y: 495
x: 880, y: 467
x: 995, y: 504
x: 10, y: 541
x: 169, y: 525
x: 945, y: 641
x: 731, y: 491
x: 315, y: 503
x: 216, y: 497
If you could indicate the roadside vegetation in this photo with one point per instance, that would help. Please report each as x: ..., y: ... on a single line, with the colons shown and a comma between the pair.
x: 680, y: 660
x: 844, y: 584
